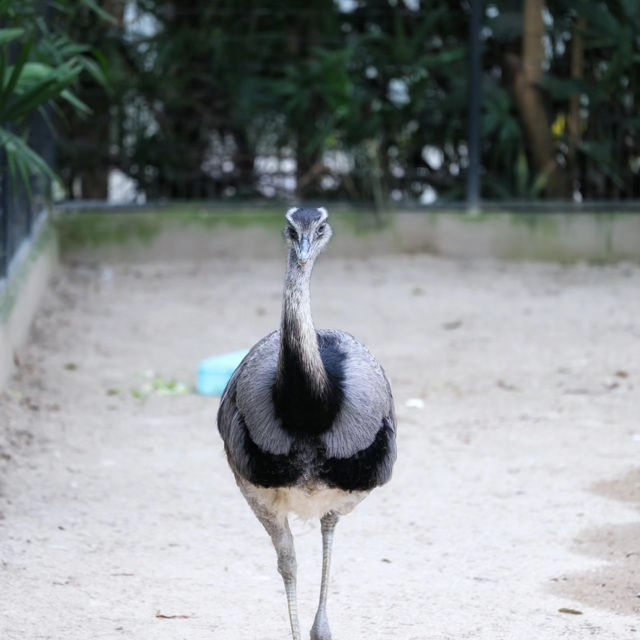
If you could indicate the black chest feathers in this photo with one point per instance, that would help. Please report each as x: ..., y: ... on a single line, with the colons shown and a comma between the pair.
x: 307, y: 463
x: 301, y: 407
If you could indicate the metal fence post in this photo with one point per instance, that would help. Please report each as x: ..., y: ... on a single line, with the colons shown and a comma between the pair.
x: 4, y: 216
x: 475, y: 88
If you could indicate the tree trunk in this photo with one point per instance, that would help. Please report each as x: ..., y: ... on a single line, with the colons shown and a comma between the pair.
x: 527, y: 76
x: 93, y: 164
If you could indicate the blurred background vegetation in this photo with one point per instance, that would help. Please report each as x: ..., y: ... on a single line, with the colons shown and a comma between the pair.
x: 365, y: 100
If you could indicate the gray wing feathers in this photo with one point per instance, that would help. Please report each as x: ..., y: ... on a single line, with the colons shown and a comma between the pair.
x: 367, y: 401
x: 251, y: 389
x: 248, y: 402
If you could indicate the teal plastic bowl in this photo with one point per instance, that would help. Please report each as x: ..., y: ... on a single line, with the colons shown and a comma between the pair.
x: 215, y: 372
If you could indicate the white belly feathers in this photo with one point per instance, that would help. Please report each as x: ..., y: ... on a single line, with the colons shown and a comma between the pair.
x: 307, y: 502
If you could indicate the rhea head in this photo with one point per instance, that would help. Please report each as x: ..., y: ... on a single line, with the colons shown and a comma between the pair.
x: 307, y: 233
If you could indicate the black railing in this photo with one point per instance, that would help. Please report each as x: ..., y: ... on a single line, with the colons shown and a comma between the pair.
x: 19, y: 205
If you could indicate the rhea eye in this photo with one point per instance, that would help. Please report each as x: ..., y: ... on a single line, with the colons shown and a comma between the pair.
x: 321, y: 229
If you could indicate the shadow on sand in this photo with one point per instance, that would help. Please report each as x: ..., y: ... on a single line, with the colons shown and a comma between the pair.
x: 614, y: 586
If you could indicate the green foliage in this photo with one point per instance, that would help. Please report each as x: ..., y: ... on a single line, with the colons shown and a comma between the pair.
x: 204, y: 94
x: 263, y: 79
x: 596, y: 150
x: 37, y: 67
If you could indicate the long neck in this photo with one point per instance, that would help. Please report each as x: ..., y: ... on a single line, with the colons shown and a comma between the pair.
x: 299, y: 353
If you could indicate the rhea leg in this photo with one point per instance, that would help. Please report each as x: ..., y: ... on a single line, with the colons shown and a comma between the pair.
x: 320, y: 629
x: 283, y: 543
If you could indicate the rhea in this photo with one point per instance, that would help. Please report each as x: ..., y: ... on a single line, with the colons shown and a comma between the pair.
x: 307, y: 419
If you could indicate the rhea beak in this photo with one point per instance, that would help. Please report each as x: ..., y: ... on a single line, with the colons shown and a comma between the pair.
x: 303, y: 250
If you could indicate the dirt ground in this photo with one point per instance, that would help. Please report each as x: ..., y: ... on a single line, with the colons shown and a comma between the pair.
x: 516, y: 492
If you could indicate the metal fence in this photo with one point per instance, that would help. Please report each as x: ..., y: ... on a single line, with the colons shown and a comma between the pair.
x: 20, y: 207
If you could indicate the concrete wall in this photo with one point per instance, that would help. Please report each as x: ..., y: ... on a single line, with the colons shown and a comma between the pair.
x: 22, y: 292
x: 145, y: 236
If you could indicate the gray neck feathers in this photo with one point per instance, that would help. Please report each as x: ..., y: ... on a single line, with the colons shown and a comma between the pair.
x: 297, y: 333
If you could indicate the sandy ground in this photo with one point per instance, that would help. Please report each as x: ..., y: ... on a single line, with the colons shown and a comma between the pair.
x: 516, y: 491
